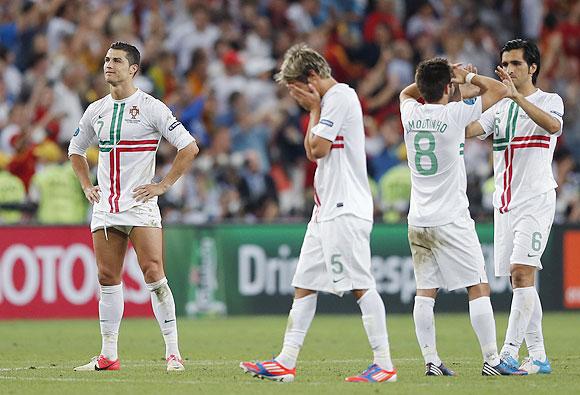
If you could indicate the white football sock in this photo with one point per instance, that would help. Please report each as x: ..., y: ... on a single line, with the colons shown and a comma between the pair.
x: 425, y: 328
x: 523, y: 302
x: 483, y: 323
x: 534, y: 336
x: 111, y: 307
x: 164, y: 309
x: 375, y: 323
x: 299, y: 320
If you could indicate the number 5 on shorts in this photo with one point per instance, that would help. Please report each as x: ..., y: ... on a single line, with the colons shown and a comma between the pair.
x: 337, y: 267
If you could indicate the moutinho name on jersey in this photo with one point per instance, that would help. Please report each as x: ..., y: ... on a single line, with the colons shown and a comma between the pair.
x: 427, y: 125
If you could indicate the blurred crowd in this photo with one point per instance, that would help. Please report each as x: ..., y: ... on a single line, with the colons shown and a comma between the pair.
x: 212, y: 63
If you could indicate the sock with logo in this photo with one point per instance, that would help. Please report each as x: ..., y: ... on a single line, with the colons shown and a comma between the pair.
x: 299, y: 320
x: 483, y: 323
x: 534, y: 336
x: 111, y: 307
x: 375, y: 324
x: 424, y: 318
x: 523, y: 302
x: 164, y: 309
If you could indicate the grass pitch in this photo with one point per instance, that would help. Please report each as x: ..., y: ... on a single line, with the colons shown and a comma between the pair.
x: 37, y: 357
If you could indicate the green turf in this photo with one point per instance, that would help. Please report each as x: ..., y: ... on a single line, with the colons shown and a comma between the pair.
x: 38, y: 357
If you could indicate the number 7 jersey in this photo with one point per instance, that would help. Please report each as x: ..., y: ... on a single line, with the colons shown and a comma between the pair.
x: 128, y: 132
x: 435, y: 137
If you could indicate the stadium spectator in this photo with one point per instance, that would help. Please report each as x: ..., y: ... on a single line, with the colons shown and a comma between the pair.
x: 12, y: 193
x: 55, y: 189
x: 257, y: 189
x: 221, y: 47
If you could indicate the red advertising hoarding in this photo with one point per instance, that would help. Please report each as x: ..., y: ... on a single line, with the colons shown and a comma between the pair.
x: 571, y: 268
x: 50, y: 272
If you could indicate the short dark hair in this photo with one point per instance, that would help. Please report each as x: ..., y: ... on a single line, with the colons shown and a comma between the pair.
x: 432, y: 76
x: 133, y: 55
x: 531, y: 53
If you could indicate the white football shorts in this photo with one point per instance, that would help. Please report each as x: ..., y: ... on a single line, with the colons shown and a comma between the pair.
x: 521, y: 234
x: 447, y: 256
x: 146, y: 214
x: 336, y: 256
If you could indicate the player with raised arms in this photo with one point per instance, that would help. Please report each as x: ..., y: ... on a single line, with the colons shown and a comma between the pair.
x: 444, y: 245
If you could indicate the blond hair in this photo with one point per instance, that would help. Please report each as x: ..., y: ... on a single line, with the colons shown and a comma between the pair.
x: 299, y: 60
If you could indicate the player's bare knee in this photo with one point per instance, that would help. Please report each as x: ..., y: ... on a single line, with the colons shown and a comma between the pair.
x: 522, y: 276
x: 153, y: 271
x: 107, y: 277
x: 358, y: 293
x: 478, y: 291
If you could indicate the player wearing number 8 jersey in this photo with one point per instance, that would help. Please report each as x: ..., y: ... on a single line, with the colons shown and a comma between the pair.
x: 525, y: 127
x: 445, y: 248
x: 128, y: 125
x: 335, y: 255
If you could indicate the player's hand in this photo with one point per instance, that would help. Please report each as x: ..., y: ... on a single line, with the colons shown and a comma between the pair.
x: 307, y: 99
x: 145, y: 192
x: 471, y: 68
x: 459, y: 74
x: 507, y: 81
x: 93, y: 193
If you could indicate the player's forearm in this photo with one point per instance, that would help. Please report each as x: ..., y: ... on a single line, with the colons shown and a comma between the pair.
x: 81, y: 169
x: 456, y: 94
x: 314, y: 119
x: 469, y: 91
x: 307, y: 146
x: 473, y: 129
x: 540, y: 117
x: 410, y: 92
x: 491, y: 90
x: 182, y: 163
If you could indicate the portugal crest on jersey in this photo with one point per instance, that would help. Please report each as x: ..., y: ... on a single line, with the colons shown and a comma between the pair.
x: 134, y: 111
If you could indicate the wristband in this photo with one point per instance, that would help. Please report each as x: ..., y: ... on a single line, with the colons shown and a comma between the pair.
x: 469, y: 77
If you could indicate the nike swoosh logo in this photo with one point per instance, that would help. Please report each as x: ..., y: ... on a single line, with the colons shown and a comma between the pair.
x: 340, y: 279
x: 167, y: 321
x: 103, y: 368
x: 100, y: 116
x: 533, y: 256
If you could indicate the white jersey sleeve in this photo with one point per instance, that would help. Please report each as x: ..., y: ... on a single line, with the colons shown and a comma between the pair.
x: 555, y: 107
x: 173, y: 130
x: 407, y: 107
x: 84, y: 136
x: 332, y: 116
x: 466, y: 111
x: 487, y: 122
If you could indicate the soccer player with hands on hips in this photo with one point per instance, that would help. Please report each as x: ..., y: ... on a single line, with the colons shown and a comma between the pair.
x: 128, y: 125
x: 444, y: 245
x: 335, y: 255
x: 525, y: 126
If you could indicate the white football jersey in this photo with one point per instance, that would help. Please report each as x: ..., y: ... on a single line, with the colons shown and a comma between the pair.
x: 341, y: 185
x: 128, y: 133
x: 435, y: 137
x: 522, y: 150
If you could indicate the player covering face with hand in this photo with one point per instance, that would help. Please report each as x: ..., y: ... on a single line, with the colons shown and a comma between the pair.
x: 128, y: 125
x: 335, y: 255
x: 444, y: 245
